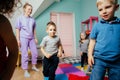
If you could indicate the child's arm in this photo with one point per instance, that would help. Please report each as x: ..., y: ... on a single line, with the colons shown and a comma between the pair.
x: 35, y: 36
x: 90, y: 51
x: 60, y: 51
x: 18, y: 37
x: 81, y: 53
x: 44, y: 53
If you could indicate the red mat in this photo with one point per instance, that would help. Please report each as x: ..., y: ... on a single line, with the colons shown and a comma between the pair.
x: 76, y: 77
x: 65, y: 65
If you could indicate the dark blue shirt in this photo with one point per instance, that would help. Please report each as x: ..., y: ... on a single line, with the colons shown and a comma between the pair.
x: 107, y: 36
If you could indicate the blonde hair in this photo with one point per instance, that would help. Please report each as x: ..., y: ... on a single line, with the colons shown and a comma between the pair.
x: 112, y: 1
x: 26, y: 4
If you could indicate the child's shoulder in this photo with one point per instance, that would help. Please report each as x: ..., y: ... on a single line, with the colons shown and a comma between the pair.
x: 46, y: 37
x: 20, y: 18
x: 87, y: 40
x: 118, y: 20
x: 56, y: 36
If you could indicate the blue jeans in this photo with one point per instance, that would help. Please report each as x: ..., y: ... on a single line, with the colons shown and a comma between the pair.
x: 99, y: 70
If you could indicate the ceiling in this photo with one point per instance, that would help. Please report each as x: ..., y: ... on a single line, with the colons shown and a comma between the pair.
x: 45, y: 4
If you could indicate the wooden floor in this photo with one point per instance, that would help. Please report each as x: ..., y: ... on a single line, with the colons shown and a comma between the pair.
x: 19, y: 73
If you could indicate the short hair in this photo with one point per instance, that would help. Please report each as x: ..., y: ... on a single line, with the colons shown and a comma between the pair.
x: 112, y: 1
x: 51, y: 23
x: 27, y: 4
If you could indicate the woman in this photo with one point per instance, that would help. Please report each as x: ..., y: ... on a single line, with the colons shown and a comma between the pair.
x: 7, y: 40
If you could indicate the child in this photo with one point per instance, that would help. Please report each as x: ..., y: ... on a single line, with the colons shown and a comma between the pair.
x: 104, y: 47
x: 26, y: 38
x: 83, y: 48
x: 7, y: 39
x: 52, y: 49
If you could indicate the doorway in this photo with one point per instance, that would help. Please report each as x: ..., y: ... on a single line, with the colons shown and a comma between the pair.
x: 65, y: 30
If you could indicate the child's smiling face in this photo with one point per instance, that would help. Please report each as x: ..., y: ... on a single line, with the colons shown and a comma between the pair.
x: 106, y: 9
x: 28, y: 10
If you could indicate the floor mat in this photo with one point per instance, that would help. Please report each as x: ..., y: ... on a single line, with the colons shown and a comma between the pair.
x: 64, y: 70
x: 67, y: 71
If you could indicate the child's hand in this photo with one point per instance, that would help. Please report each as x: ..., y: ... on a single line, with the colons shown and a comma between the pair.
x: 59, y: 54
x: 36, y: 41
x: 48, y: 55
x: 90, y: 60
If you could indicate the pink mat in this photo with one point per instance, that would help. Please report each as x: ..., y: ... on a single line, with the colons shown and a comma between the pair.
x: 79, y: 73
x: 59, y: 71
